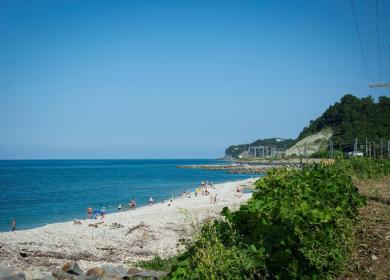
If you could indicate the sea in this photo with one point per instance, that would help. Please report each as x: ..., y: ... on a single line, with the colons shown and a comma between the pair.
x: 39, y: 192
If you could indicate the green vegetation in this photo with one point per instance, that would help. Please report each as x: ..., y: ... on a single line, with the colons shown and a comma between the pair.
x: 326, y: 154
x: 235, y: 150
x: 367, y: 168
x: 353, y: 117
x: 298, y: 225
x: 157, y: 263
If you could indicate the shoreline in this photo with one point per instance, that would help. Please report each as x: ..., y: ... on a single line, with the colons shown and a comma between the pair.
x: 122, y: 237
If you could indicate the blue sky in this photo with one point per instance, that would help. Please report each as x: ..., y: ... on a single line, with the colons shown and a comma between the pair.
x: 175, y: 79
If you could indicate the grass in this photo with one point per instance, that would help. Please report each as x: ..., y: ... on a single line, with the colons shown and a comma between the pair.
x: 158, y: 263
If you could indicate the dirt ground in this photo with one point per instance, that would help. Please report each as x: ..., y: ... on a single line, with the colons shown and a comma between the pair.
x: 371, y: 256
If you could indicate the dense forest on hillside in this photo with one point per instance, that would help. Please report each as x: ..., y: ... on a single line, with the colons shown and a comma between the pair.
x: 352, y: 118
x: 235, y: 150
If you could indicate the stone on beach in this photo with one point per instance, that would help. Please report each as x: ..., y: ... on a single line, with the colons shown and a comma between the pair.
x: 72, y: 268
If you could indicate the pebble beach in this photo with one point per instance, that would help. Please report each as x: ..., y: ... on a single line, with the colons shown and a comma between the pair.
x: 120, y: 238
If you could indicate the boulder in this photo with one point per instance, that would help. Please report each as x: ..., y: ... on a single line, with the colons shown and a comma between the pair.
x: 153, y: 274
x: 116, y: 272
x: 37, y: 275
x: 72, y: 268
x: 46, y: 277
x: 95, y: 272
x: 19, y: 276
x: 6, y: 271
x: 11, y: 273
x: 62, y: 275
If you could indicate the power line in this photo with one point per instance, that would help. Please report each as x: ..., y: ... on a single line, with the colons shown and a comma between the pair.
x: 378, y: 42
x: 360, y: 42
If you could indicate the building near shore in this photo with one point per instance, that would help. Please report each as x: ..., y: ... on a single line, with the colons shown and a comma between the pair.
x: 264, y: 152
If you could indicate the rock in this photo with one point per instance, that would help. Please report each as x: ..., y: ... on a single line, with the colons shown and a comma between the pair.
x: 72, y: 268
x: 33, y: 275
x: 151, y: 274
x: 133, y: 271
x: 6, y: 271
x: 62, y: 275
x: 117, y: 272
x: 23, y: 254
x: 19, y: 276
x: 47, y: 277
x: 95, y: 272
x: 374, y: 258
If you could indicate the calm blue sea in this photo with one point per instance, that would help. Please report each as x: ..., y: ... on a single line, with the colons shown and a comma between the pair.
x: 38, y: 192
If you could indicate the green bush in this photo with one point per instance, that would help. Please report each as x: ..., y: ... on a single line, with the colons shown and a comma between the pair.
x: 302, y: 220
x: 366, y: 168
x: 209, y: 258
x: 298, y: 225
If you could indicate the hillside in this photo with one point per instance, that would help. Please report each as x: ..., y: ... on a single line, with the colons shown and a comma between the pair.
x: 314, y: 143
x: 354, y: 117
x: 344, y: 121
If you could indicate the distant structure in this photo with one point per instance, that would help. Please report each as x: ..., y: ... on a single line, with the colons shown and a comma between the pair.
x: 264, y: 152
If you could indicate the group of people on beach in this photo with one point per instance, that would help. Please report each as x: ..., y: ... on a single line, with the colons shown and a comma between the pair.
x: 207, y: 189
x: 96, y: 213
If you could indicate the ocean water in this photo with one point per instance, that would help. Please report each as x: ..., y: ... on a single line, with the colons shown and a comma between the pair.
x: 38, y: 192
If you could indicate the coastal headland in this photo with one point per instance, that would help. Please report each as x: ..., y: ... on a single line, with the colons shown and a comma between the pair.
x: 120, y: 238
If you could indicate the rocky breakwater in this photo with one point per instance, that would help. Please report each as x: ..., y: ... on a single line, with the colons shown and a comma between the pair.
x: 72, y: 271
x: 233, y: 168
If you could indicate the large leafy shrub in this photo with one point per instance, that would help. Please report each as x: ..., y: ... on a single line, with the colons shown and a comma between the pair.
x: 209, y: 258
x: 298, y: 225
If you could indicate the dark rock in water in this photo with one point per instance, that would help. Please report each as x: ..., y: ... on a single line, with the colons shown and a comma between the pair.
x: 23, y: 254
x: 72, y: 268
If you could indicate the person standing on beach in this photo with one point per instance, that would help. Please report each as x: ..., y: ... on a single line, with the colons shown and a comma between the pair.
x: 132, y: 204
x: 13, y: 225
x: 103, y: 212
x: 89, y: 211
x: 151, y: 201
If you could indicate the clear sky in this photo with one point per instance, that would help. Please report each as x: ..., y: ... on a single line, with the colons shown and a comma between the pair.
x: 176, y: 79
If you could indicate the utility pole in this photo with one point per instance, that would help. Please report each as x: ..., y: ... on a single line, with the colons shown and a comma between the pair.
x: 366, y: 147
x: 381, y: 149
x: 305, y: 151
x: 369, y: 148
x: 355, y: 147
x: 331, y: 148
x: 388, y: 148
